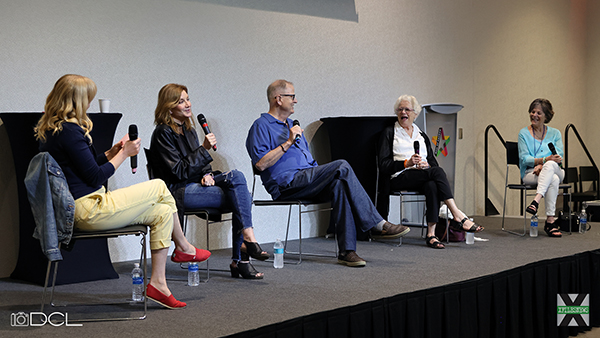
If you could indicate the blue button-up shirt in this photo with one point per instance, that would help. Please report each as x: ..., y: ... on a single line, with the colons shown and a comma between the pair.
x: 268, y: 133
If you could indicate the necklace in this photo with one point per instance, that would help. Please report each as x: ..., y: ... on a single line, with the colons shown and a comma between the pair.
x: 535, y: 151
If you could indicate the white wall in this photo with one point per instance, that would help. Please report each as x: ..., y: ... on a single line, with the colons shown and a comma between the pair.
x: 492, y: 57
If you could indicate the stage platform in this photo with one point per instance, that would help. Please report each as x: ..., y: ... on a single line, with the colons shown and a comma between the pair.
x: 478, y: 290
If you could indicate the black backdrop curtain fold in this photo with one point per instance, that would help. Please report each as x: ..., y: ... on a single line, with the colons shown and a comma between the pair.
x: 521, y: 302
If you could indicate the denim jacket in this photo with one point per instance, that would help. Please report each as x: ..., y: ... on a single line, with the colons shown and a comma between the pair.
x: 52, y: 204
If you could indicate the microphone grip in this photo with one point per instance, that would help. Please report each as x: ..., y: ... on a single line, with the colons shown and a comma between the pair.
x: 205, y: 128
x: 133, y: 135
x: 214, y: 145
x: 552, y: 148
x: 298, y: 136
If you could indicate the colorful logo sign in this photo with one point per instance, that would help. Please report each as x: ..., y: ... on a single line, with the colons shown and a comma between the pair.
x: 445, y: 140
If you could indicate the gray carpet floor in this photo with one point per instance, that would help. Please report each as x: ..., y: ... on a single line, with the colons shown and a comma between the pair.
x: 224, y: 305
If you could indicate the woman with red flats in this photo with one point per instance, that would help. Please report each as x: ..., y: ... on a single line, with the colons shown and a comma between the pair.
x: 64, y: 132
x: 540, y: 156
x: 183, y: 163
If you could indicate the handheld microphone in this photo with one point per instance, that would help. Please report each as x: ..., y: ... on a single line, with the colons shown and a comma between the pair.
x: 416, y: 145
x: 297, y: 137
x: 133, y: 135
x: 552, y: 149
x: 204, y: 126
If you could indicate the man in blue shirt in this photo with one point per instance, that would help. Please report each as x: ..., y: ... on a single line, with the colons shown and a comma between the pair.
x: 279, y: 150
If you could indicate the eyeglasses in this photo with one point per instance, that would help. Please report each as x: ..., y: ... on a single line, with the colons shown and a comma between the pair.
x: 405, y: 110
x: 292, y: 96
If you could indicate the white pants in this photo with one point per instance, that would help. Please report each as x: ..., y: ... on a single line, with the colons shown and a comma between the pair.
x: 547, y: 184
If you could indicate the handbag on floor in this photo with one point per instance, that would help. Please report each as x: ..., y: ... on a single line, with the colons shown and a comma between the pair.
x: 455, y: 235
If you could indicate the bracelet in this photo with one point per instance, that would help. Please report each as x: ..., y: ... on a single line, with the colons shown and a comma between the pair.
x: 543, y: 160
x: 405, y: 161
x: 282, y: 148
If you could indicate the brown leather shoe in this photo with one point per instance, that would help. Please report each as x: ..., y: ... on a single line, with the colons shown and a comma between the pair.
x: 350, y: 258
x: 390, y: 231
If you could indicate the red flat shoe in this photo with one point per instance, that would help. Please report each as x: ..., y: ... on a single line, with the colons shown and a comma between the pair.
x: 159, y: 297
x: 181, y: 257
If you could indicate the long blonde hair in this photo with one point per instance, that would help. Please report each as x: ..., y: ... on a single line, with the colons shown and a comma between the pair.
x: 68, y: 101
x: 168, y: 98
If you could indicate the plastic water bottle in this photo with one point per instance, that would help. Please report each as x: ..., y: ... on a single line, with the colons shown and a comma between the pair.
x: 137, y: 278
x: 533, y: 229
x: 193, y: 274
x: 278, y: 253
x: 582, y: 221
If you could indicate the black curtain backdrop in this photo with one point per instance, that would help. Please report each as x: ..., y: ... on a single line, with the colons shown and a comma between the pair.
x: 520, y: 302
x: 354, y: 139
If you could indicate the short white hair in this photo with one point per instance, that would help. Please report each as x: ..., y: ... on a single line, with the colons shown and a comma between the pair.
x: 413, y: 101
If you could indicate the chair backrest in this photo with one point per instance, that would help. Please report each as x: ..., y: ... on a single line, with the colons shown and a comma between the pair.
x: 256, y: 173
x: 588, y: 174
x: 512, y: 153
x: 149, y: 163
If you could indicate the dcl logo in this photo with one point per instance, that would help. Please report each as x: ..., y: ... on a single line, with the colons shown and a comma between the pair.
x: 22, y: 319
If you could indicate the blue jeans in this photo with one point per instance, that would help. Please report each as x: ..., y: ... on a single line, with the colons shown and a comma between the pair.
x: 336, y: 182
x: 232, y: 194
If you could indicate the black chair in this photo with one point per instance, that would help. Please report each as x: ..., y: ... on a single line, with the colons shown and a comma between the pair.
x: 209, y: 215
x: 137, y: 230
x: 512, y: 159
x: 587, y: 175
x: 303, y: 208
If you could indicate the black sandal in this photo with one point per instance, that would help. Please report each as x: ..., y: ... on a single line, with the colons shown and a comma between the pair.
x: 436, y: 244
x: 551, y: 230
x: 532, y: 208
x: 246, y: 269
x: 255, y: 251
x: 460, y: 226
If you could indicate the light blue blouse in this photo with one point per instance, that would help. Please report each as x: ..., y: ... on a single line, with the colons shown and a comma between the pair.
x: 530, y: 148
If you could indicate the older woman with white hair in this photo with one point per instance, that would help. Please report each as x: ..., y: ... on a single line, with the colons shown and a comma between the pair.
x: 412, y: 171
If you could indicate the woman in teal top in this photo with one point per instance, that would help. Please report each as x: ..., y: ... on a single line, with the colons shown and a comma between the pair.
x: 539, y: 164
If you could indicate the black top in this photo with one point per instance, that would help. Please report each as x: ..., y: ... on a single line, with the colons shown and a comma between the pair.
x: 85, y: 170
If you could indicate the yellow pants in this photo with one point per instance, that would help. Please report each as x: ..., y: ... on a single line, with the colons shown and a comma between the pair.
x: 149, y: 203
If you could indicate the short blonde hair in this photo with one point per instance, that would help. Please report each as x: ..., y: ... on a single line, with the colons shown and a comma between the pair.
x: 413, y: 101
x: 168, y: 98
x: 68, y: 100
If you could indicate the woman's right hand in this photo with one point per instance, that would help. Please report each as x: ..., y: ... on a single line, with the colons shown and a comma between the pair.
x: 129, y: 148
x: 132, y: 148
x: 209, y: 141
x: 415, y: 159
x: 555, y: 158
